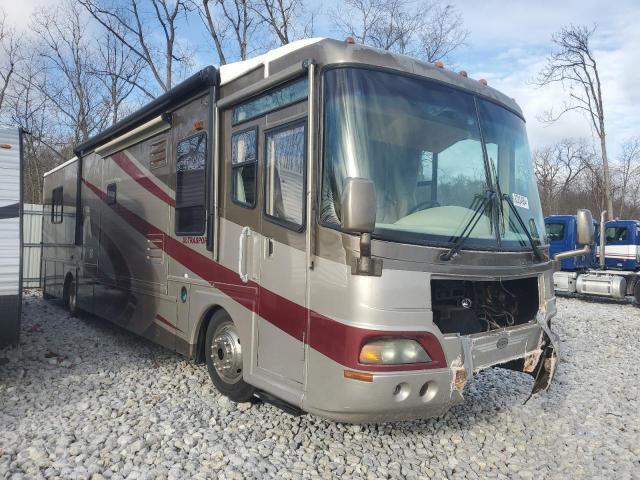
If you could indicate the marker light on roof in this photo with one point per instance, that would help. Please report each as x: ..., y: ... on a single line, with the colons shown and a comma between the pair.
x: 482, y: 81
x: 438, y: 64
x: 350, y: 40
x: 463, y: 73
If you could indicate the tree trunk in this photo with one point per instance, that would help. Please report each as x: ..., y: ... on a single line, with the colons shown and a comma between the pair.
x: 605, y: 172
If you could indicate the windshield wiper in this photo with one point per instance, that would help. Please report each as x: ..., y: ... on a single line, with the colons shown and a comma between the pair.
x: 512, y: 207
x: 484, y: 201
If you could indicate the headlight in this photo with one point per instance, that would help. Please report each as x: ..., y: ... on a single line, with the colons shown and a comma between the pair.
x: 393, y: 351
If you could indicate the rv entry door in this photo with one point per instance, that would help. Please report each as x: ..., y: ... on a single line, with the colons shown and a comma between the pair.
x: 283, y: 273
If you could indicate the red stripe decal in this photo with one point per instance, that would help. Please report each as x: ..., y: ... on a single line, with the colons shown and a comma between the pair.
x: 161, y: 319
x: 340, y: 342
x: 138, y: 175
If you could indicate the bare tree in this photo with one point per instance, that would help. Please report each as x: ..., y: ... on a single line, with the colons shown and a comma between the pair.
x: 284, y: 19
x: 574, y: 65
x: 139, y: 25
x: 424, y: 28
x: 557, y: 168
x: 443, y: 33
x: 628, y: 170
x: 118, y: 70
x: 66, y: 58
x: 223, y: 16
x: 28, y: 108
x: 10, y: 55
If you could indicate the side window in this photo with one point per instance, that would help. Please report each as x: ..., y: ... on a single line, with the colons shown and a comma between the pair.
x: 273, y: 100
x: 56, y: 205
x: 285, y: 174
x: 615, y: 234
x: 190, y: 185
x: 112, y: 190
x: 244, y: 164
x: 555, y: 231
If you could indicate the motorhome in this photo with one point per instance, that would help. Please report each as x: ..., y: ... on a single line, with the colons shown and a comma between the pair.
x: 331, y: 227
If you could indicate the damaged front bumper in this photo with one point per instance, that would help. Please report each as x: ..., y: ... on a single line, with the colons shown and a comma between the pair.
x: 532, y: 348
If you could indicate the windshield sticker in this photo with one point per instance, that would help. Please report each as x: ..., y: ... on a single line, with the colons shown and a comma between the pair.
x: 520, y: 201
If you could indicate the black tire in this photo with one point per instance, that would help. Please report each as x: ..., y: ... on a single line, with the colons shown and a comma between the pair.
x: 71, y: 298
x: 223, y: 355
x: 636, y: 292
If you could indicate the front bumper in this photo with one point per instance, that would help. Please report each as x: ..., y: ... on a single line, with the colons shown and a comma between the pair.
x: 406, y: 395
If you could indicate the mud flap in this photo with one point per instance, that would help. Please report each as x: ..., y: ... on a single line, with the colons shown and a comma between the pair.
x: 546, y: 368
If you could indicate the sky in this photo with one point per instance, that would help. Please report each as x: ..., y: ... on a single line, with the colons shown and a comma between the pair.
x: 507, y: 45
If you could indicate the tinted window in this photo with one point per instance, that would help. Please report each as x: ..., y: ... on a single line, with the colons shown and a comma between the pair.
x: 616, y: 234
x: 190, y: 185
x: 285, y: 173
x: 555, y: 231
x: 277, y: 98
x: 111, y: 193
x: 56, y: 205
x: 244, y: 163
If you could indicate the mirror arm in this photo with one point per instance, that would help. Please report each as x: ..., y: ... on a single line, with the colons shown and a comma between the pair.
x: 571, y: 253
x: 365, y: 265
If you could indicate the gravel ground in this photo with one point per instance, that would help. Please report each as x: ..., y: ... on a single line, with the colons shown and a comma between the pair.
x: 83, y: 399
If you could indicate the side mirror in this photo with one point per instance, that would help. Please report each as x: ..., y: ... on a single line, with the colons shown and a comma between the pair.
x: 358, y: 206
x: 358, y: 212
x: 584, y: 227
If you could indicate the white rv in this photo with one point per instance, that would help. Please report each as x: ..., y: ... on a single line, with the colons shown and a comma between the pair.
x: 10, y: 235
x: 330, y: 227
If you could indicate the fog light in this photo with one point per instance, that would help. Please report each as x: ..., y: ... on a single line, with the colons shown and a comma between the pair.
x: 393, y: 351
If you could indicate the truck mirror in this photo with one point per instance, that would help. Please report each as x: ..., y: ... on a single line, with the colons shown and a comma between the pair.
x: 358, y: 206
x: 584, y: 227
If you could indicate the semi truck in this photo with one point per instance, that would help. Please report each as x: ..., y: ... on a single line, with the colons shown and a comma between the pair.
x: 330, y: 227
x: 616, y: 274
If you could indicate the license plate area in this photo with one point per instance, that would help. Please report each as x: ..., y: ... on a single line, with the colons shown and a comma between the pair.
x: 499, y: 346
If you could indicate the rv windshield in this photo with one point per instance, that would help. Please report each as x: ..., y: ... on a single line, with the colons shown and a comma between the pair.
x: 420, y: 143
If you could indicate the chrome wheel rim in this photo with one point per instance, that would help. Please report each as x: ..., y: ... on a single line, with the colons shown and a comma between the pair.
x: 226, y: 353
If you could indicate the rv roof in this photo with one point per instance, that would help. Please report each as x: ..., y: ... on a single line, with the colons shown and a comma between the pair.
x: 234, y: 70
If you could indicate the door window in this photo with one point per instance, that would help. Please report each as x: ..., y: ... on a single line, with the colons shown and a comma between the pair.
x: 555, y: 231
x: 615, y: 234
x: 56, y: 205
x: 285, y: 175
x: 190, y: 185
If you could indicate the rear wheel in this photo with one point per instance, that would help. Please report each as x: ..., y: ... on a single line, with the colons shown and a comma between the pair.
x: 636, y: 292
x: 71, y: 297
x: 223, y: 352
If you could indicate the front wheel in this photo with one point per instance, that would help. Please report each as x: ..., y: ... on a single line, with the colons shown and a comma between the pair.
x: 224, y: 358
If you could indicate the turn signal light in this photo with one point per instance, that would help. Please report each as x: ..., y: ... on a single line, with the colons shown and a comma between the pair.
x: 363, y: 377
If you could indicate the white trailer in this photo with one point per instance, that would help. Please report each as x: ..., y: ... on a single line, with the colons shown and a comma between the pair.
x: 10, y: 235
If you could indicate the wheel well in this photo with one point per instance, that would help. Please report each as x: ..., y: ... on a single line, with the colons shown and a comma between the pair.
x: 199, y: 356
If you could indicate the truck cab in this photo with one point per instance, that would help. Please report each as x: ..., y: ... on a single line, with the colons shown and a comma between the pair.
x: 622, y: 245
x: 562, y: 235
